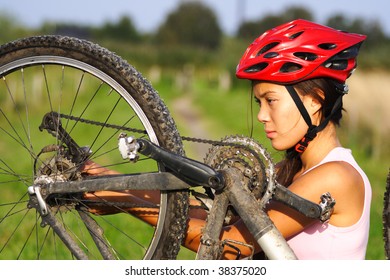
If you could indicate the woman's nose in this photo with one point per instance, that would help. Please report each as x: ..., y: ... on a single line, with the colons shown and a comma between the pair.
x: 262, y: 116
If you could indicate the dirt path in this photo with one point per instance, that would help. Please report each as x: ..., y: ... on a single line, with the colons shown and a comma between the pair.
x: 191, y: 124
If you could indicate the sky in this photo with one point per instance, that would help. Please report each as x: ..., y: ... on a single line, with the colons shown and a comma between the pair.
x: 147, y: 15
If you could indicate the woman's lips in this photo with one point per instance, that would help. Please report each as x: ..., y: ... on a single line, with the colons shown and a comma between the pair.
x: 270, y: 133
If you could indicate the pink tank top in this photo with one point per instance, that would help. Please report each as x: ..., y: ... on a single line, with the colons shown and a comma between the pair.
x: 325, y: 241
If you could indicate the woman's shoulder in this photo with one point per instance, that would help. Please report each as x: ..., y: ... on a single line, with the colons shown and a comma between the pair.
x: 339, y: 154
x: 331, y: 175
x: 345, y: 184
x: 337, y: 166
x: 336, y: 172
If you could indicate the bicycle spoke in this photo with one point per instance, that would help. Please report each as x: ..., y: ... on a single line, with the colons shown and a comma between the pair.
x: 18, y: 114
x: 86, y: 102
x: 12, y: 234
x: 105, y: 122
x: 30, y: 233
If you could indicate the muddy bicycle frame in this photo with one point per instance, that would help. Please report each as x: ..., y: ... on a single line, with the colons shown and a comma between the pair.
x: 185, y: 173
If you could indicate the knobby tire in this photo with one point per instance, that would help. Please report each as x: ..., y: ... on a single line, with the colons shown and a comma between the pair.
x: 71, y: 76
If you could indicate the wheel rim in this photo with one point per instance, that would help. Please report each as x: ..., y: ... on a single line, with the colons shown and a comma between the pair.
x: 38, y: 61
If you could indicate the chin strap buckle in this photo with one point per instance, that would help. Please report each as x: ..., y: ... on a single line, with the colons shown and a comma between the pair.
x: 310, y: 135
x: 302, y: 145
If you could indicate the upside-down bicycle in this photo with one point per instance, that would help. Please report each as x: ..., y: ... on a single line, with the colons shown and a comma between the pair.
x: 65, y: 101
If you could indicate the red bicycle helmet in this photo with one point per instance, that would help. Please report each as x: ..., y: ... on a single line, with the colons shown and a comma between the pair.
x: 298, y: 51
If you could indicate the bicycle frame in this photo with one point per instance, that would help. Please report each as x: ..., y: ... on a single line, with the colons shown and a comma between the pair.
x: 186, y: 173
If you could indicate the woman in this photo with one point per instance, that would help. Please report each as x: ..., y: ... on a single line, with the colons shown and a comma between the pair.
x: 298, y: 72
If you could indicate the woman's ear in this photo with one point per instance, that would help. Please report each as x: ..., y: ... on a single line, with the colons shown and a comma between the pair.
x: 315, y: 104
x: 312, y: 105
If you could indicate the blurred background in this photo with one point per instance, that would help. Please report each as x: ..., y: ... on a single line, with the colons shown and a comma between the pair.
x: 189, y: 51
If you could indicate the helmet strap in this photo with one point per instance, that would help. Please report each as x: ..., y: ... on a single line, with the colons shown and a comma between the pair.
x: 299, y: 104
x: 312, y: 131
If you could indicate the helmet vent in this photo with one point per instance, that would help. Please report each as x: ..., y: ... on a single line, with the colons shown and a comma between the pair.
x: 347, y: 53
x: 271, y: 55
x: 337, y: 64
x: 296, y: 35
x: 306, y: 56
x: 327, y: 46
x: 290, y: 67
x: 256, y: 68
x: 266, y: 48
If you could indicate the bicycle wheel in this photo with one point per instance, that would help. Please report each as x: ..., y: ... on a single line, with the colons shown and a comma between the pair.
x: 94, y: 93
x: 386, y: 218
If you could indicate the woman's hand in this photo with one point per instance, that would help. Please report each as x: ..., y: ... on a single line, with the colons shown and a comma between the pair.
x: 91, y: 168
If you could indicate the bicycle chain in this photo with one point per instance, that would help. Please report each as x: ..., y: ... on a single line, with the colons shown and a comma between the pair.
x: 252, y: 147
x: 128, y: 129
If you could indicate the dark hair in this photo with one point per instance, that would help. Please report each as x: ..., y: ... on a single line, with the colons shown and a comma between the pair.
x: 325, y: 91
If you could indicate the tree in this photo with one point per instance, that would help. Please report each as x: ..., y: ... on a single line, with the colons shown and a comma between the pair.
x: 373, y: 29
x: 296, y: 12
x: 11, y: 29
x: 192, y: 24
x: 338, y: 21
x: 252, y: 29
x: 123, y: 30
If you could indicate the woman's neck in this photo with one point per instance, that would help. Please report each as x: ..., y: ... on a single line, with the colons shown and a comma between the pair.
x: 325, y: 141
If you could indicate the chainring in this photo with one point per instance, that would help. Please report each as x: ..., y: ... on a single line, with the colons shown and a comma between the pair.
x: 251, y: 158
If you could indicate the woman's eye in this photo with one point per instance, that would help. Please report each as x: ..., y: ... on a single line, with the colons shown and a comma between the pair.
x: 270, y: 100
x: 257, y: 101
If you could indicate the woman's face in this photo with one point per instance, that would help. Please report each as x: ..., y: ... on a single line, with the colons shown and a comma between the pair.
x: 283, y: 123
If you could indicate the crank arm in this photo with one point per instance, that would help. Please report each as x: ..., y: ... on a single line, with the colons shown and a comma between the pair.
x: 310, y: 209
x: 191, y: 171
